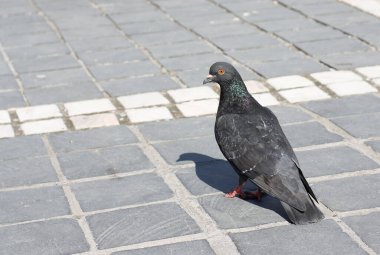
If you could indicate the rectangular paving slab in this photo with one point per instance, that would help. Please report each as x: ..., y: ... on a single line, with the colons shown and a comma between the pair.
x: 325, y: 237
x: 141, y: 224
x: 116, y: 192
x: 47, y: 237
x: 358, y: 125
x: 23, y: 146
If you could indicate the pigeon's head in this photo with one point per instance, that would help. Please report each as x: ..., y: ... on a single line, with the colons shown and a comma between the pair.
x: 222, y: 73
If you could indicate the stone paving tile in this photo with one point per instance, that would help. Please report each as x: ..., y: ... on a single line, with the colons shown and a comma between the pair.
x: 38, y: 112
x: 112, y: 56
x: 367, y: 227
x: 289, y: 82
x: 148, y: 114
x: 192, y: 61
x: 21, y: 147
x: 325, y: 237
x: 200, y: 247
x: 4, y: 117
x: 174, y: 150
x: 352, y: 60
x: 62, y: 93
x: 265, y: 99
x: 333, y: 160
x: 352, y: 105
x: 190, y: 94
x: 255, y: 86
x: 375, y: 145
x: 347, y: 194
x: 288, y: 114
x: 178, y: 129
x: 106, y: 161
x: 181, y: 49
x: 288, y: 24
x: 335, y: 77
x: 238, y: 213
x: 351, y: 88
x: 310, y: 35
x: 35, y: 51
x: 94, y: 121
x: 29, y: 39
x: 95, y: 44
x: 11, y: 99
x: 304, y: 94
x: 55, y: 236
x: 370, y: 71
x: 143, y: 100
x: 7, y: 82
x: 148, y: 27
x: 311, y: 133
x: 32, y: 204
x: 358, y: 125
x: 89, y: 106
x: 45, y: 64
x: 26, y: 171
x: 123, y: 227
x: 43, y: 126
x: 131, y: 86
x: 6, y: 131
x: 123, y: 191
x: 164, y: 37
x: 92, y: 139
x: 198, y: 108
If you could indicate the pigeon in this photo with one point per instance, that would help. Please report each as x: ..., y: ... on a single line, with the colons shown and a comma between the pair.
x: 251, y: 139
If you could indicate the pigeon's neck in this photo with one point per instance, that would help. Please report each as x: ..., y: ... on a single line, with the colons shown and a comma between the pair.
x: 235, y: 98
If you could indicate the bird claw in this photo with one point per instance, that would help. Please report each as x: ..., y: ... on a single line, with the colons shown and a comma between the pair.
x: 253, y: 195
x: 236, y: 192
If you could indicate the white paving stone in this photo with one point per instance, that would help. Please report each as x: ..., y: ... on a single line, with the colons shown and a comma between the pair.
x: 94, y: 121
x: 4, y: 117
x: 335, y: 77
x: 371, y: 6
x: 265, y: 99
x: 149, y: 114
x: 89, y: 106
x: 351, y: 88
x: 143, y: 100
x: 255, y: 86
x: 6, y: 131
x: 370, y: 71
x: 290, y: 82
x: 198, y: 108
x: 303, y: 94
x: 376, y: 81
x: 190, y: 94
x: 43, y: 126
x: 38, y: 112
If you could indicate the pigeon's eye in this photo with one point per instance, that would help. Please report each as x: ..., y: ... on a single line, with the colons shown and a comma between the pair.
x: 221, y: 71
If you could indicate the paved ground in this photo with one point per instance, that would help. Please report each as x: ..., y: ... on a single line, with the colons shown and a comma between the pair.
x: 87, y: 168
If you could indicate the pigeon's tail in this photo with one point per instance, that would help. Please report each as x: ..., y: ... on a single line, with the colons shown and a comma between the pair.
x: 311, y: 215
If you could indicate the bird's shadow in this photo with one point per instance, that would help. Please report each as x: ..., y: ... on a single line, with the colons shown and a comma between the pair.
x: 219, y: 175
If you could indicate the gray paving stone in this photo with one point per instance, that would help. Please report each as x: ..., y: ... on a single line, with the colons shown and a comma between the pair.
x: 45, y: 64
x: 32, y: 204
x: 112, y: 56
x: 138, y: 17
x: 367, y: 227
x: 227, y: 31
x: 35, y: 51
x: 208, y: 177
x: 311, y: 35
x: 131, y: 86
x: 28, y: 39
x: 337, y: 45
x: 56, y: 77
x: 62, y: 236
x: 164, y: 37
x: 288, y: 24
x: 347, y: 19
x: 181, y: 49
x: 288, y: 114
x: 246, y: 41
x: 26, y: 171
x: 375, y: 145
x: 122, y: 70
x: 243, y: 6
x: 345, y: 106
x: 101, y: 43
x: 333, y: 160
x: 346, y: 61
x: 347, y: 194
x: 11, y: 99
x: 291, y: 66
x: 200, y: 247
x: 7, y: 82
x: 215, y: 19
x: 311, y: 133
x: 4, y: 69
x: 178, y: 129
x: 87, y: 32
x: 21, y: 147
x: 326, y: 8
x: 62, y: 93
x: 192, y: 62
x: 118, y: 192
x: 141, y: 224
x: 276, y: 13
x: 237, y: 213
x: 358, y: 125
x: 325, y: 237
x: 172, y: 151
x: 156, y: 26
x: 106, y: 161
x: 92, y: 139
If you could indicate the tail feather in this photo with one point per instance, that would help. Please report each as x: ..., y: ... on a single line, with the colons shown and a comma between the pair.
x: 311, y: 215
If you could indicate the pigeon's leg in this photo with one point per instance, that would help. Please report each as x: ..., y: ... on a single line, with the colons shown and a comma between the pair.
x: 253, y: 194
x: 238, y: 191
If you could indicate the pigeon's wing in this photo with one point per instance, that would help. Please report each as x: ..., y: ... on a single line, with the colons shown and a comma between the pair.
x: 257, y: 147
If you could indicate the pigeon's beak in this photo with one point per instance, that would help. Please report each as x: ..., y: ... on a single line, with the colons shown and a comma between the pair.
x: 210, y: 78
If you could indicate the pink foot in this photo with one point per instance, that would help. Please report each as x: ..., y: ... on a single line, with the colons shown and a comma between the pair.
x: 236, y: 192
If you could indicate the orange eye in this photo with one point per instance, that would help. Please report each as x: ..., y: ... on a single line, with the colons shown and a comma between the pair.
x: 221, y: 71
